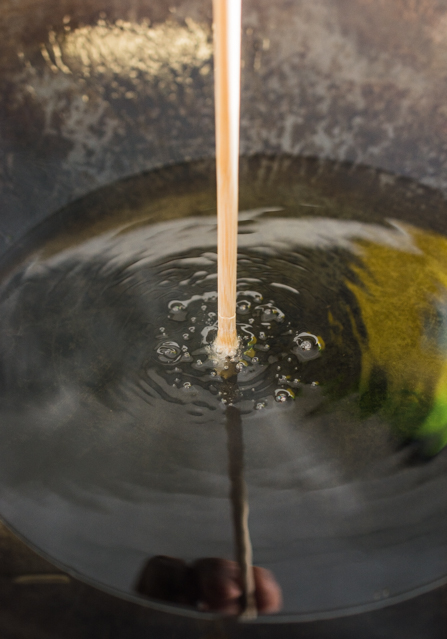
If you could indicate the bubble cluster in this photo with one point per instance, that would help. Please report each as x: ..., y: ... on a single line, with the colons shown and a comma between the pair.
x: 271, y: 350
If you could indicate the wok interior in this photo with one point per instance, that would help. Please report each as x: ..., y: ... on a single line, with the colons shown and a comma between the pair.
x: 93, y: 93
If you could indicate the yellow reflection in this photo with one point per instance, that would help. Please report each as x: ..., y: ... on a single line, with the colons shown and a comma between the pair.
x: 126, y: 47
x: 403, y: 301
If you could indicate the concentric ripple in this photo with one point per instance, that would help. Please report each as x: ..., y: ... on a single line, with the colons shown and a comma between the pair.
x: 112, y: 403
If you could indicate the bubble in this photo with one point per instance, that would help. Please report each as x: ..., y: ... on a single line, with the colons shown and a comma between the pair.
x: 177, y: 311
x: 211, y: 315
x: 282, y: 395
x: 254, y: 295
x: 260, y: 405
x: 176, y: 307
x: 193, y: 320
x: 315, y: 384
x: 270, y: 313
x: 203, y: 307
x: 307, y: 347
x: 262, y: 335
x: 187, y: 385
x: 169, y: 352
x: 278, y: 368
x: 199, y: 362
x: 255, y: 360
x: 162, y: 329
x: 184, y: 349
x: 243, y: 307
x: 185, y: 336
x: 251, y: 320
x: 213, y: 373
x: 191, y: 329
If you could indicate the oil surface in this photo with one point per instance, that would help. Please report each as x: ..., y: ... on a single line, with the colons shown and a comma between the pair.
x: 113, y: 443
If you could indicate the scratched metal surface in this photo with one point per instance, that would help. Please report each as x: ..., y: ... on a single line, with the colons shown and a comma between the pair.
x: 89, y: 94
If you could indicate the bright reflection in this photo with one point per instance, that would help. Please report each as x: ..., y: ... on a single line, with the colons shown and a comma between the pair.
x: 126, y: 47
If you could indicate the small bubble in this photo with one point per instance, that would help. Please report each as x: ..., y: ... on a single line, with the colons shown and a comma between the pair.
x: 169, y: 352
x: 191, y: 329
x: 278, y: 368
x: 177, y: 380
x: 260, y: 405
x: 225, y: 367
x: 193, y: 320
x: 184, y: 349
x: 199, y: 362
x: 289, y: 359
x: 175, y: 307
x: 185, y: 336
x: 178, y: 311
x: 239, y: 366
x: 213, y: 373
x: 162, y: 329
x: 314, y: 384
x: 296, y: 381
x: 270, y: 313
x: 243, y: 307
x: 282, y: 395
x: 187, y: 385
x: 262, y: 335
x: 283, y: 379
x: 223, y: 400
x: 211, y: 314
x: 251, y: 320
x: 255, y: 360
x: 203, y: 307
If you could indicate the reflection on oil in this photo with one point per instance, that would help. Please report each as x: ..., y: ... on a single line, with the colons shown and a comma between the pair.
x: 403, y: 298
x: 131, y: 48
x: 211, y: 584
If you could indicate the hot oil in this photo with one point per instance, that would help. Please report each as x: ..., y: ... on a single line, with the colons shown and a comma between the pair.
x: 113, y: 408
